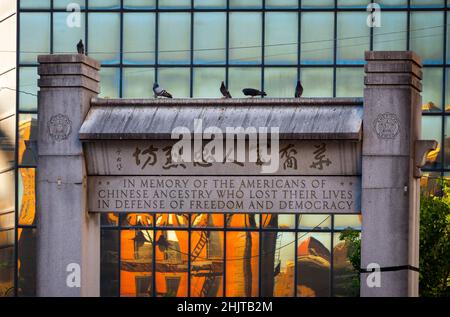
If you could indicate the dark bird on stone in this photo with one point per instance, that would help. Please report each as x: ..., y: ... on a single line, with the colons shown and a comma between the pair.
x: 80, y: 47
x: 298, y: 90
x: 225, y: 91
x: 253, y: 92
x: 160, y: 92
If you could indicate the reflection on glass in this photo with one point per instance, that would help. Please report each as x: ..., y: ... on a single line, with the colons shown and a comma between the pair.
x: 206, y: 82
x: 345, y: 276
x: 280, y: 82
x: 427, y: 3
x: 35, y: 4
x: 207, y: 220
x: 109, y: 270
x: 174, y: 38
x: 206, y: 263
x: 136, y: 254
x: 392, y: 34
x: 8, y: 79
x: 109, y: 219
x: 26, y: 262
x: 447, y: 141
x: 7, y: 142
x: 281, y: 38
x: 175, y: 80
x: 34, y: 36
x: 392, y: 3
x: 317, y: 3
x: 28, y: 88
x: 66, y: 37
x: 242, y: 254
x: 138, y: 220
x: 353, y: 37
x: 253, y: 4
x: 239, y: 78
x: 171, y: 252
x: 245, y: 37
x: 315, y: 222
x: 174, y: 4
x: 27, y: 196
x: 242, y: 220
x: 277, y: 264
x: 205, y: 4
x: 209, y: 37
x: 7, y: 191
x: 172, y: 220
x: 104, y: 37
x: 139, y: 4
x: 432, y: 89
x: 291, y: 4
x: 104, y: 4
x: 62, y: 4
x: 426, y: 35
x: 317, y: 44
x: 311, y: 76
x: 313, y: 264
x: 27, y: 139
x: 347, y: 221
x: 109, y: 82
x: 7, y: 260
x: 353, y: 3
x: 137, y: 82
x: 139, y: 38
x: 431, y: 184
x: 431, y: 130
x: 281, y: 221
x: 349, y: 82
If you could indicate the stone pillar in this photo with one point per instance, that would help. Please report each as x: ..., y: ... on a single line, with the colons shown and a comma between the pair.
x: 390, y: 181
x: 68, y: 236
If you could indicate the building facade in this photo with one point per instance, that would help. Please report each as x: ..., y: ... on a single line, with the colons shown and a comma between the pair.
x: 189, y: 47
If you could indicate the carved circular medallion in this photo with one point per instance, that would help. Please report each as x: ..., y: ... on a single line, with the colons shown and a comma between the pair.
x: 59, y: 127
x: 387, y: 125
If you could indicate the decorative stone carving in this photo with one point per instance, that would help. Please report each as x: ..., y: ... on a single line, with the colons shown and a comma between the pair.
x: 59, y: 127
x: 387, y: 125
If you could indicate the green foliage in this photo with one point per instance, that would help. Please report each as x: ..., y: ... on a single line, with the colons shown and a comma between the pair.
x: 352, y: 240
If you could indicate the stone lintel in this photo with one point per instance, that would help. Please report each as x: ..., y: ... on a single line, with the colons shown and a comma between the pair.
x: 393, y: 56
x: 408, y: 67
x: 69, y: 69
x: 69, y: 81
x: 68, y: 58
x: 392, y: 79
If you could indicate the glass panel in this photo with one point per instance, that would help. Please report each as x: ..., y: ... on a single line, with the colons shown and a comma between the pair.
x: 448, y: 36
x: 64, y: 4
x: 431, y: 184
x: 139, y: 38
x: 317, y: 37
x: 207, y: 220
x: 136, y: 254
x: 8, y: 93
x: 138, y: 219
x: 175, y: 81
x: 174, y: 38
x: 28, y: 88
x: 207, y: 263
x: 109, y: 268
x: 281, y: 38
x: 353, y: 37
x: 209, y: 38
x: 109, y: 219
x: 34, y: 36
x: 104, y: 37
x: 172, y: 220
x: 447, y: 142
x: 27, y: 196
x: 7, y: 142
x: 314, y: 222
x: 277, y: 264
x: 26, y: 262
x: 207, y: 82
x: 8, y: 45
x: 318, y: 3
x: 427, y: 36
x: 66, y: 34
x: 137, y: 82
x: 392, y: 33
x: 7, y: 262
x: 171, y: 253
x: 7, y: 220
x: 246, y: 4
x: 239, y: 78
x: 35, y: 4
x: 431, y: 130
x: 392, y: 3
x: 281, y: 221
x: 447, y: 89
x: 27, y: 139
x: 313, y: 264
x: 7, y: 192
x: 345, y: 276
x: 280, y: 82
x: 427, y: 3
x: 110, y: 82
x: 139, y: 4
x: 242, y: 257
x: 342, y: 222
x: 104, y: 4
x: 349, y: 82
x: 250, y: 221
x: 353, y: 3
x: 432, y: 89
x: 282, y: 4
x: 174, y: 4
x: 245, y: 37
x: 204, y: 4
x: 311, y: 76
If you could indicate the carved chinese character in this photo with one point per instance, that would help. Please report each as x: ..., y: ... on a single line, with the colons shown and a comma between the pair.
x: 288, y: 154
x: 169, y: 162
x: 320, y: 157
x: 150, y: 153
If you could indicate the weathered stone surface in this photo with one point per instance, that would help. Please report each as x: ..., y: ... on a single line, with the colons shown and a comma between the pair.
x: 393, y: 56
x: 394, y: 67
x: 393, y: 284
x: 68, y: 58
x: 389, y: 171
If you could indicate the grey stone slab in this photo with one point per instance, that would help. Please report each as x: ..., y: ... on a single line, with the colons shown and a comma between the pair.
x: 394, y: 67
x: 392, y: 79
x: 386, y: 171
x: 69, y: 81
x: 69, y: 69
x: 68, y: 58
x: 393, y: 55
x: 393, y: 284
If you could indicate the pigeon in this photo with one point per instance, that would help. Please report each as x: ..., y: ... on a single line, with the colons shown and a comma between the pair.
x: 225, y: 91
x: 253, y: 92
x: 160, y: 92
x: 80, y: 47
x: 298, y: 90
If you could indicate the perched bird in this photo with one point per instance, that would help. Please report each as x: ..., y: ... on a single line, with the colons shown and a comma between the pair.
x: 160, y: 92
x: 298, y: 90
x: 225, y: 91
x: 253, y: 92
x: 80, y: 47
